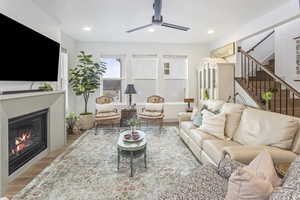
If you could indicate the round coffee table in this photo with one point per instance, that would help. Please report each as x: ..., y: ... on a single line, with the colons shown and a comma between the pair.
x: 132, y: 149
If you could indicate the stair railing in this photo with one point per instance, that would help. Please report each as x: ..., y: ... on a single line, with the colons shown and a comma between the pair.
x: 260, y: 42
x: 283, y: 101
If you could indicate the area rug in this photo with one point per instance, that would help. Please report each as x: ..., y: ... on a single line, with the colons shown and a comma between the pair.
x: 88, y: 169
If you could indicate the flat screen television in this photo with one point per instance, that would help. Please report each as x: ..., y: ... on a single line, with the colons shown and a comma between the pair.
x: 26, y: 55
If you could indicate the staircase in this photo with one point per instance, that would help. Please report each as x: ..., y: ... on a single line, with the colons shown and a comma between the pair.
x: 257, y: 78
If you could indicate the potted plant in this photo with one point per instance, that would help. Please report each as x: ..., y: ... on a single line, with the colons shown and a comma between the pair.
x: 267, y: 97
x: 46, y: 87
x: 85, y: 79
x: 205, y: 94
x: 133, y: 122
x: 71, y: 120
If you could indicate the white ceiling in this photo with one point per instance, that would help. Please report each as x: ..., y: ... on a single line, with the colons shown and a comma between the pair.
x: 110, y: 19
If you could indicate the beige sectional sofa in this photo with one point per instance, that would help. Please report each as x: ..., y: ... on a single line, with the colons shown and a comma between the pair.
x: 248, y: 131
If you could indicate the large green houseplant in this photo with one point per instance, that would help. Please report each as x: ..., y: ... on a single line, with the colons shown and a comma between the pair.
x: 85, y: 78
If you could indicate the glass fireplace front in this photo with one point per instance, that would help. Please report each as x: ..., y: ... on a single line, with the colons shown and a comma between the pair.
x: 27, y: 138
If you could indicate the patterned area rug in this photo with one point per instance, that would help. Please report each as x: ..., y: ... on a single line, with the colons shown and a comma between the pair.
x: 88, y: 169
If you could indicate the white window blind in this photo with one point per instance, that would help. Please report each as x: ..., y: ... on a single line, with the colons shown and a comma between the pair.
x: 144, y: 75
x: 173, y: 84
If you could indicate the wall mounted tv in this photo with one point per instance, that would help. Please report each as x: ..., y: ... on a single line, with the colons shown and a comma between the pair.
x: 26, y: 55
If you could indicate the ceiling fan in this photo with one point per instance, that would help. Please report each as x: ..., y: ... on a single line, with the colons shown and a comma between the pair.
x: 157, y: 20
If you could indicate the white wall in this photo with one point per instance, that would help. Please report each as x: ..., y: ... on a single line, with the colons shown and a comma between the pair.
x: 194, y: 52
x: 69, y: 44
x: 27, y: 13
x: 265, y: 50
x: 270, y: 20
x: 285, y: 51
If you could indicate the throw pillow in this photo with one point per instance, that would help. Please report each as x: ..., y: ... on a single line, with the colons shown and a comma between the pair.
x: 103, y: 108
x: 197, y: 121
x: 245, y: 185
x: 213, y: 104
x: 263, y: 166
x: 227, y: 166
x: 154, y: 107
x: 196, y: 110
x: 213, y: 124
x: 233, y: 117
x: 194, y: 113
x: 255, y: 181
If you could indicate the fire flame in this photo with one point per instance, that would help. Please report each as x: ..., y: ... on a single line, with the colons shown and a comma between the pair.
x: 21, y: 142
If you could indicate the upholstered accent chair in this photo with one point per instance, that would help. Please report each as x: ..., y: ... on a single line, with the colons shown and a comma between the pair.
x: 106, y: 113
x: 153, y: 111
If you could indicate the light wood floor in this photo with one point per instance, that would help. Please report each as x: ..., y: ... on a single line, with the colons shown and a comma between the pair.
x: 19, y: 183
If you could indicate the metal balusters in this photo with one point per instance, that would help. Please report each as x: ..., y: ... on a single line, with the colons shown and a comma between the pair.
x: 245, y: 63
x: 248, y: 75
x: 280, y: 110
x: 293, y: 112
x: 252, y: 76
x: 256, y: 79
x: 242, y: 66
x: 286, y: 102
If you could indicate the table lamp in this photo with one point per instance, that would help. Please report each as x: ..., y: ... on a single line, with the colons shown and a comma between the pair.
x: 189, y: 101
x: 130, y: 90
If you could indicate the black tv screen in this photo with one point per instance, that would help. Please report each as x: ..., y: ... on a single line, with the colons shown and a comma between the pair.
x: 26, y: 55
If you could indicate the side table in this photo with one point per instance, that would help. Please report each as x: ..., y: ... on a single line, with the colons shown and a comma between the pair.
x: 127, y: 114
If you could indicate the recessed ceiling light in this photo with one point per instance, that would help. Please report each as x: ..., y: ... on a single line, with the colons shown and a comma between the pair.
x: 211, y: 31
x: 87, y: 28
x: 151, y: 30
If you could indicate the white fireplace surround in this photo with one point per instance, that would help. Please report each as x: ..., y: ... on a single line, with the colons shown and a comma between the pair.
x: 20, y: 104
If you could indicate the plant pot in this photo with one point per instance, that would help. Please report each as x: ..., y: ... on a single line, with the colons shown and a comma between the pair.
x: 85, y: 121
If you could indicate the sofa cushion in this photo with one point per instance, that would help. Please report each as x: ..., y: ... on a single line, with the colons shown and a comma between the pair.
x: 107, y: 107
x: 186, y: 126
x: 245, y: 185
x: 296, y: 143
x: 258, y: 127
x: 213, y: 124
x: 246, y: 153
x: 233, y: 114
x: 203, y: 183
x: 214, y: 148
x: 199, y: 136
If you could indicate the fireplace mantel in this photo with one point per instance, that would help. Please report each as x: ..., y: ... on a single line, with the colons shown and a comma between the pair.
x: 15, y: 105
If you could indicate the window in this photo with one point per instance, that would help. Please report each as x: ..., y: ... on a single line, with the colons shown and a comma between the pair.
x: 173, y: 85
x: 166, y: 77
x: 112, y: 79
x: 144, y: 70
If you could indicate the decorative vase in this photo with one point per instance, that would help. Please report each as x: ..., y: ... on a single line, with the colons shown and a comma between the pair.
x: 267, y: 106
x: 133, y: 129
x: 86, y: 122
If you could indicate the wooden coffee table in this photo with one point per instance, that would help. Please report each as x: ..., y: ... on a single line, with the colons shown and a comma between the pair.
x: 132, y: 149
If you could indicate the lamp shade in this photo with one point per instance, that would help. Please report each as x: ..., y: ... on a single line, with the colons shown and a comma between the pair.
x: 189, y: 100
x: 130, y: 89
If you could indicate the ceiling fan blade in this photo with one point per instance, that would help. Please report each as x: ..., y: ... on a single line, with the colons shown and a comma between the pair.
x: 182, y: 28
x: 139, y: 28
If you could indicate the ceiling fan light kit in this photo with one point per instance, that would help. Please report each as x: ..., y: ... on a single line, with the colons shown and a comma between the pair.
x: 157, y: 20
